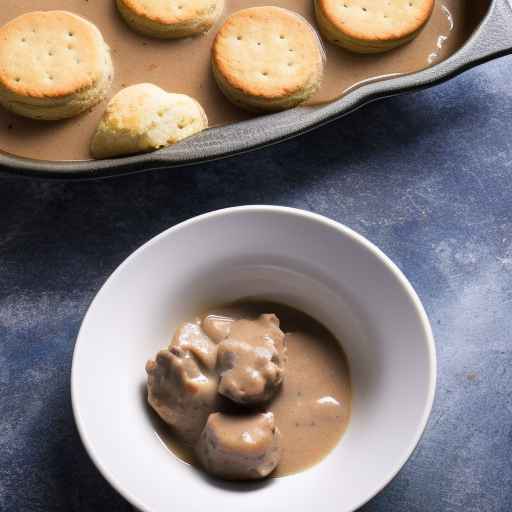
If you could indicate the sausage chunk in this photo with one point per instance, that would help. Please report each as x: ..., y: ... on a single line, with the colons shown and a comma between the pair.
x: 240, y: 447
x: 190, y: 337
x: 180, y: 392
x: 251, y: 360
x: 217, y: 327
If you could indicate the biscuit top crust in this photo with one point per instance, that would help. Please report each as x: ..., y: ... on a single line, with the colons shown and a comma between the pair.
x: 268, y: 52
x: 51, y: 54
x: 169, y: 12
x: 377, y: 20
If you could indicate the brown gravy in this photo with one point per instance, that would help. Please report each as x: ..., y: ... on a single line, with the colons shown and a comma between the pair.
x: 312, y: 409
x: 184, y: 66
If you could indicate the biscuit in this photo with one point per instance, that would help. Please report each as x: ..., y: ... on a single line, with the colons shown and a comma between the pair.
x: 372, y: 26
x: 53, y: 65
x: 143, y: 118
x: 170, y: 18
x: 267, y: 59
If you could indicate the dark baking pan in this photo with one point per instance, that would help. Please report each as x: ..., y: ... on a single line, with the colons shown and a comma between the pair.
x: 493, y: 38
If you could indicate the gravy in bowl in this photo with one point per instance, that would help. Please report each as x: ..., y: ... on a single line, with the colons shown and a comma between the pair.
x: 183, y: 66
x: 312, y: 406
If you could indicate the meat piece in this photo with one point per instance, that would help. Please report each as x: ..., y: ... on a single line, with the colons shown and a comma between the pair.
x: 251, y: 360
x: 217, y: 326
x: 180, y: 392
x: 245, y: 447
x: 190, y: 337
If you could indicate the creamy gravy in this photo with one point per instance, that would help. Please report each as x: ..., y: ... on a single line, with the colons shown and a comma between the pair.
x: 312, y: 409
x: 184, y: 66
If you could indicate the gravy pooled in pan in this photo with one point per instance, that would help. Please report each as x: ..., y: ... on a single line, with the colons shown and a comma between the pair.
x: 183, y: 66
x: 286, y: 397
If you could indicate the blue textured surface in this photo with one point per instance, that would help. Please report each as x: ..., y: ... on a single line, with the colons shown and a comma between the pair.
x: 427, y: 177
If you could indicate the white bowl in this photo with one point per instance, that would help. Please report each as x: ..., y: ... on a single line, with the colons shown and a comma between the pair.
x: 287, y: 255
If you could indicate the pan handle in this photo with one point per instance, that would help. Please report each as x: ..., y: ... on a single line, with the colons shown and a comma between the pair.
x: 494, y: 37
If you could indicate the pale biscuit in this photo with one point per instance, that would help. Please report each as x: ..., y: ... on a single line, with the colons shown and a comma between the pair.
x: 170, y: 18
x: 53, y: 65
x: 143, y: 118
x: 267, y: 59
x: 372, y: 26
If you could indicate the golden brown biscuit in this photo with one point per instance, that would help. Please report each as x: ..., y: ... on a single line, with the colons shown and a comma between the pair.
x: 372, y: 26
x: 143, y: 118
x: 53, y: 65
x: 267, y: 59
x: 170, y: 18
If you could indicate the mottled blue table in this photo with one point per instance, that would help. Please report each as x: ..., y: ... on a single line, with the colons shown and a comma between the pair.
x: 427, y: 177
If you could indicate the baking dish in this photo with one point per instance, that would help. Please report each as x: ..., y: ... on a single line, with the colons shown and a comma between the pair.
x: 492, y: 39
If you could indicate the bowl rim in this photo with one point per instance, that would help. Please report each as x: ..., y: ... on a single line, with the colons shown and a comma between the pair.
x: 326, y: 222
x: 492, y: 38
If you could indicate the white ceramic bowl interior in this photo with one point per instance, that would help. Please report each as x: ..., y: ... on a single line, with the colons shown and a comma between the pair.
x: 287, y: 255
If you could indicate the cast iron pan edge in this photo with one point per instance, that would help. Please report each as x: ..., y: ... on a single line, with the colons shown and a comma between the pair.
x: 492, y: 39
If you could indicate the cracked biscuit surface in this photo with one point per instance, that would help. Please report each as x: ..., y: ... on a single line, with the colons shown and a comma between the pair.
x: 143, y: 118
